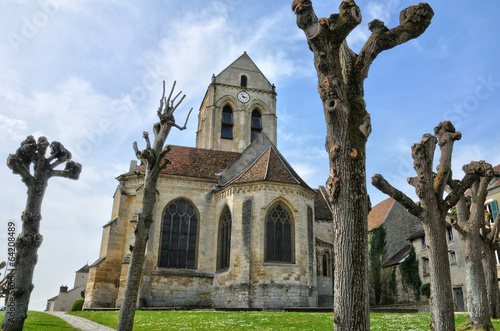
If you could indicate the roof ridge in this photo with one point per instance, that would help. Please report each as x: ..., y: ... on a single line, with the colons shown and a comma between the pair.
x: 285, y: 164
x: 241, y: 174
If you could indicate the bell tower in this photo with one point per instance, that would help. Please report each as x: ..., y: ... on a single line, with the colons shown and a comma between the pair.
x: 239, y: 104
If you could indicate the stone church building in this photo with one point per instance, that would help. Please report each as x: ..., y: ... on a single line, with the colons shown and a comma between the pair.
x: 235, y: 226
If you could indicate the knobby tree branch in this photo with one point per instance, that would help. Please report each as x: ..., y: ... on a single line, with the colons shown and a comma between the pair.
x: 383, y: 185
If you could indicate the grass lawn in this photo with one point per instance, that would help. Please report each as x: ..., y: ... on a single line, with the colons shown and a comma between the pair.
x: 38, y: 321
x: 215, y: 320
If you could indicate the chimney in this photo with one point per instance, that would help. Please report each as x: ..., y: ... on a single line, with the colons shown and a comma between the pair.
x: 63, y: 289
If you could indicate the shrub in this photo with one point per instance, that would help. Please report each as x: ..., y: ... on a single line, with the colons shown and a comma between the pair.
x: 425, y: 289
x: 77, y: 305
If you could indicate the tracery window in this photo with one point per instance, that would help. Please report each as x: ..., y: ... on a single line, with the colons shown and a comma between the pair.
x: 279, y: 246
x: 256, y: 124
x: 224, y: 240
x: 179, y: 235
x: 227, y: 123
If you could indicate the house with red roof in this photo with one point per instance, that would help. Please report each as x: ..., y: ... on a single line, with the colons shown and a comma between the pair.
x: 235, y: 226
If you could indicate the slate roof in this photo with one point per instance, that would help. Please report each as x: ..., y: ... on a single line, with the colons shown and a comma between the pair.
x: 84, y: 269
x: 378, y: 213
x: 194, y: 162
x: 398, y: 257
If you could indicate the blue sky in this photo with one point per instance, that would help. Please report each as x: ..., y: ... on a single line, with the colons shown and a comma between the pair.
x: 88, y: 74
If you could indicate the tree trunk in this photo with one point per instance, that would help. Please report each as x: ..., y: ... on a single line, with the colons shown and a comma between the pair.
x: 491, y: 278
x: 129, y: 305
x: 441, y: 300
x: 477, y: 299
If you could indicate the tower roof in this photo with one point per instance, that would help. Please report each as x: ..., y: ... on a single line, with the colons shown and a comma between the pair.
x: 244, y: 64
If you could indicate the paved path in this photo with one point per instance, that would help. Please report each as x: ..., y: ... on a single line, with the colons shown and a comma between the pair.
x: 80, y: 322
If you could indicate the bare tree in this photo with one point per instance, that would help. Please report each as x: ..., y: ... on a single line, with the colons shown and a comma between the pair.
x: 432, y: 210
x: 490, y: 238
x: 153, y: 157
x: 29, y: 240
x: 341, y: 75
x: 468, y: 223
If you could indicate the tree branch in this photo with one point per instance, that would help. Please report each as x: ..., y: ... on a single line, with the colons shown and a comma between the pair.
x: 413, y: 21
x: 493, y: 235
x: 71, y: 171
x: 445, y: 131
x: 185, y: 123
x: 379, y: 182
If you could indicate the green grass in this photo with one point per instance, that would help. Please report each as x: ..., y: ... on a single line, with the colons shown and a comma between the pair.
x: 38, y: 321
x: 215, y: 320
x: 211, y: 320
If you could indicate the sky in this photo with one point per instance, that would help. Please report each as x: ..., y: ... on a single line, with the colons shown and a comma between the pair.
x: 88, y: 74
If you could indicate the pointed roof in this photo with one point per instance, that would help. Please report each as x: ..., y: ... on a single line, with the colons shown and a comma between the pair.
x: 84, y: 269
x: 378, y: 213
x: 495, y: 182
x: 261, y: 161
x: 322, y: 205
x: 243, y: 63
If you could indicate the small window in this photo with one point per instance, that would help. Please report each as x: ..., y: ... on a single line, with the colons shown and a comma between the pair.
x: 279, y: 246
x: 224, y: 240
x: 449, y: 233
x: 425, y: 265
x: 256, y: 124
x: 227, y: 123
x: 326, y: 264
x: 453, y: 258
x: 243, y: 81
x: 424, y: 244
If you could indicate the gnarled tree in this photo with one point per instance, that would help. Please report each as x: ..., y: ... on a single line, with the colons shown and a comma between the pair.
x: 153, y: 157
x: 341, y: 75
x: 432, y: 210
x: 35, y: 170
x: 468, y: 223
x: 489, y: 234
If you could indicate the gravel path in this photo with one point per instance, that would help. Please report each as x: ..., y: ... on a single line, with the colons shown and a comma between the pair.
x: 80, y: 322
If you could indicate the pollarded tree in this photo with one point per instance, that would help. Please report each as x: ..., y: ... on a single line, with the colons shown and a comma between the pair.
x: 153, y: 157
x: 489, y: 234
x: 35, y: 169
x: 341, y: 75
x: 432, y: 210
x: 468, y: 223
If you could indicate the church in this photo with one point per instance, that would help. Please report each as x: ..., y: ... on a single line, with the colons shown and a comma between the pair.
x: 235, y: 226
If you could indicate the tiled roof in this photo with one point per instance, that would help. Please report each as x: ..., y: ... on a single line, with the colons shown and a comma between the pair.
x: 194, y: 162
x: 269, y: 166
x: 321, y: 209
x: 378, y: 213
x: 495, y: 182
x: 398, y: 257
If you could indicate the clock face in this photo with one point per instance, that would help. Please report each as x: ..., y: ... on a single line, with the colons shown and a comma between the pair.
x: 243, y: 97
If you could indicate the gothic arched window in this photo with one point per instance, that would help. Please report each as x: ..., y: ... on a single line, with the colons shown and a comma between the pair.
x: 279, y: 245
x: 326, y: 264
x: 256, y: 124
x: 243, y: 81
x: 224, y: 240
x: 227, y: 123
x: 179, y: 235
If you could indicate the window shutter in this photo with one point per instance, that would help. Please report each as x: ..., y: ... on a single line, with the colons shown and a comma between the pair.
x: 494, y: 209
